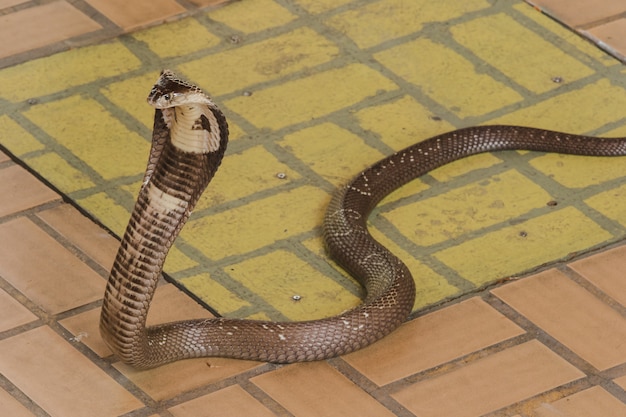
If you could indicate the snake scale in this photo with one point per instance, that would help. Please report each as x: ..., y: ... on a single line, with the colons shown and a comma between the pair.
x: 189, y: 140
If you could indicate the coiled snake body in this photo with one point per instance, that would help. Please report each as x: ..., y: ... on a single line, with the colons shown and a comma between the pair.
x: 189, y: 140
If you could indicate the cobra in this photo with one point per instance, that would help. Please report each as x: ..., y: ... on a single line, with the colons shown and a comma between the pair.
x: 189, y: 140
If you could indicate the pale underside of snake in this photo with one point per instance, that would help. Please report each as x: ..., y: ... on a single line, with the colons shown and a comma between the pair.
x: 189, y: 141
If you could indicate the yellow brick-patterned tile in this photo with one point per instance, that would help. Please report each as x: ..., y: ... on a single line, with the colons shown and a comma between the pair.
x: 280, y: 275
x: 594, y: 105
x: 94, y: 135
x: 16, y: 139
x: 107, y: 211
x: 214, y: 294
x: 580, y: 171
x: 234, y: 69
x: 178, y: 38
x: 60, y: 173
x: 382, y: 21
x: 177, y: 261
x: 447, y: 77
x: 472, y: 207
x: 252, y: 15
x: 506, y: 252
x: 64, y: 70
x: 260, y: 223
x: 402, y: 122
x: 535, y: 61
x: 130, y: 94
x: 606, y: 203
x: 320, y: 6
x: 246, y: 173
x: 307, y: 98
x: 334, y: 153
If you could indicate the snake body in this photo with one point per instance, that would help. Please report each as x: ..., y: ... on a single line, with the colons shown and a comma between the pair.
x: 189, y: 139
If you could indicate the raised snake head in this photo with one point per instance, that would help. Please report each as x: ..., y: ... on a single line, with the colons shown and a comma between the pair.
x: 171, y: 91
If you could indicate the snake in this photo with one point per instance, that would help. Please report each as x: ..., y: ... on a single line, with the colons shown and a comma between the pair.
x: 189, y: 140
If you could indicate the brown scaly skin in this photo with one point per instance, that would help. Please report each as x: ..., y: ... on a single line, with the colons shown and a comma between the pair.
x: 189, y: 140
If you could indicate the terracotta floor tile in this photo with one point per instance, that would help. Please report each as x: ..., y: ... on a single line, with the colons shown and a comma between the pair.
x: 591, y: 402
x: 4, y: 157
x: 316, y: 389
x: 571, y: 315
x: 132, y: 14
x: 433, y: 339
x: 605, y: 270
x: 169, y: 304
x: 176, y: 378
x: 12, y: 313
x: 45, y: 271
x: 621, y: 381
x: 42, y: 25
x: 59, y: 379
x: 581, y: 12
x: 490, y: 383
x: 82, y: 232
x: 11, y: 407
x: 8, y: 3
x: 21, y: 191
x: 232, y: 401
x: 613, y: 34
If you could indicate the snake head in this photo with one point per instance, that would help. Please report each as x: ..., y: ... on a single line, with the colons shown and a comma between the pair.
x: 171, y: 91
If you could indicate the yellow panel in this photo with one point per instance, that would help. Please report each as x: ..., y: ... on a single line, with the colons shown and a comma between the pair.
x: 381, y: 21
x: 472, y: 207
x: 402, y: 123
x: 252, y: 15
x: 16, y: 139
x: 91, y: 133
x: 61, y: 174
x: 447, y: 77
x: 310, y: 97
x: 532, y: 63
x: 59, y: 72
x: 335, y: 153
x: 177, y: 38
x: 234, y: 69
x: 280, y: 275
x: 505, y: 252
x: 257, y: 224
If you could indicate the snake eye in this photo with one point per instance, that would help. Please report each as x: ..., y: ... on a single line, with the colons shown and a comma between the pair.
x: 166, y: 97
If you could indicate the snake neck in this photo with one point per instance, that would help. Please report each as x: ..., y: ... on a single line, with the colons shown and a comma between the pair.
x: 165, y: 202
x: 194, y: 127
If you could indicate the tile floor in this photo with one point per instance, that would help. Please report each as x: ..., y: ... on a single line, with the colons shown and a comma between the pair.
x: 549, y: 344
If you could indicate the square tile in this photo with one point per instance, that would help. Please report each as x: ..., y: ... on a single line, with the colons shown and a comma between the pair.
x: 490, y: 383
x: 43, y: 270
x: 38, y: 26
x: 12, y: 313
x: 132, y: 14
x: 316, y: 389
x: 59, y: 379
x: 432, y: 340
x: 570, y: 314
x: 20, y: 190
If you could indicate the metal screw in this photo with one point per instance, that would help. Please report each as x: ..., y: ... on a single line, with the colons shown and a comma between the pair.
x: 281, y: 175
x: 296, y: 297
x: 523, y: 234
x: 557, y: 80
x: 247, y: 93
